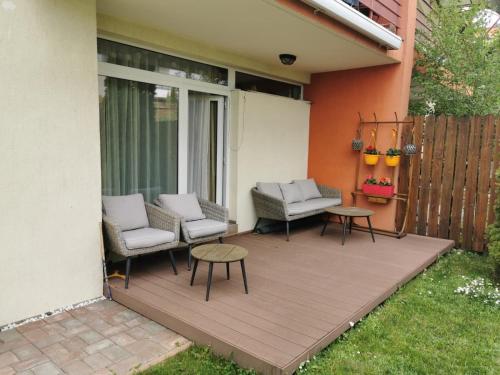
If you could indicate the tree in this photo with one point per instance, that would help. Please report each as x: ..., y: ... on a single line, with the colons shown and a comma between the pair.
x: 457, y: 69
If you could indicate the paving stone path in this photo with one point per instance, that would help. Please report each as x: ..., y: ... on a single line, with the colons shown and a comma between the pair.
x: 101, y: 338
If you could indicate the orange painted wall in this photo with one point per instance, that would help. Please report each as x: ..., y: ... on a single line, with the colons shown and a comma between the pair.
x: 337, y: 97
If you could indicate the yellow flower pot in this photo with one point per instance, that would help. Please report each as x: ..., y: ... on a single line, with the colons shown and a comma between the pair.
x: 371, y: 159
x: 392, y: 161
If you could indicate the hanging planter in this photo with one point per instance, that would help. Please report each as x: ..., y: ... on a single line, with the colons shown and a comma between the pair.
x: 392, y: 157
x: 371, y: 154
x: 383, y: 188
x: 410, y: 149
x: 357, y: 144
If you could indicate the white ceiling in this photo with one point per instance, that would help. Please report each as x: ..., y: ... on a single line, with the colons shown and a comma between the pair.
x: 255, y: 29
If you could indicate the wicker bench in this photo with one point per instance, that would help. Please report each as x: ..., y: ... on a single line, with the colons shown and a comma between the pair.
x: 274, y: 208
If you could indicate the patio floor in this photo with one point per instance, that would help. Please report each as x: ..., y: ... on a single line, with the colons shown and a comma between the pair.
x: 303, y: 293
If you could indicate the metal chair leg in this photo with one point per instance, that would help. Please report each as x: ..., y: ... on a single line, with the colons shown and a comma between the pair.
x: 209, y: 282
x: 370, y: 226
x: 242, y: 262
x: 325, y: 225
x: 194, y: 271
x: 287, y: 230
x: 127, y: 271
x: 172, y: 261
x: 256, y: 225
x: 189, y: 256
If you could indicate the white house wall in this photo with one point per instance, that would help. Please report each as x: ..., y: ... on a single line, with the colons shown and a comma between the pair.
x: 49, y: 156
x: 269, y: 143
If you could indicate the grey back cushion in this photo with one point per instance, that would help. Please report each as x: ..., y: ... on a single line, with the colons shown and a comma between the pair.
x: 291, y: 193
x: 270, y: 188
x: 127, y: 210
x: 308, y: 188
x: 184, y: 205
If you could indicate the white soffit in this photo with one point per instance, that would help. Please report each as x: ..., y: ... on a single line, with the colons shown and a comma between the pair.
x: 258, y: 30
x: 349, y: 16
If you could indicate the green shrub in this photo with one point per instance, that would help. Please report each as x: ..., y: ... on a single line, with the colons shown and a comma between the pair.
x: 494, y: 231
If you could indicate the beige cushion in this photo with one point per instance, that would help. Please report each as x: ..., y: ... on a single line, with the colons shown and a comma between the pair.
x: 185, y: 205
x: 291, y: 193
x: 146, y: 237
x: 270, y: 188
x: 312, y: 205
x: 308, y: 188
x: 205, y: 227
x: 127, y: 210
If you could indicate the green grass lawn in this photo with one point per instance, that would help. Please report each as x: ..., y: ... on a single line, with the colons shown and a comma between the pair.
x: 425, y: 328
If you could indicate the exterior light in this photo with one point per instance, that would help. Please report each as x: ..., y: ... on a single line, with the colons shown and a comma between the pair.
x: 287, y: 59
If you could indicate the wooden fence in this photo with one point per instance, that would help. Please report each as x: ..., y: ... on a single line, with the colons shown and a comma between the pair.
x: 450, y: 182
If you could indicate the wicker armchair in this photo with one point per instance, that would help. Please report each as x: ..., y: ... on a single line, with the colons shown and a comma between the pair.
x: 269, y: 207
x: 212, y: 211
x: 158, y: 219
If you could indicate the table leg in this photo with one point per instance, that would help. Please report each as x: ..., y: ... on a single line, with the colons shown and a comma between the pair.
x: 325, y: 225
x: 194, y: 270
x: 350, y: 225
x: 242, y: 262
x: 227, y: 270
x: 370, y: 226
x: 209, y: 282
x: 344, y: 229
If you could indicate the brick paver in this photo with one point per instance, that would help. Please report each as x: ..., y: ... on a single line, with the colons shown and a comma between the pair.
x: 102, y: 338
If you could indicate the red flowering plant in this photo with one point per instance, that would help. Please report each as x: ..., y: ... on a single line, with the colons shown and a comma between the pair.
x: 370, y: 180
x: 385, y: 181
x: 371, y: 150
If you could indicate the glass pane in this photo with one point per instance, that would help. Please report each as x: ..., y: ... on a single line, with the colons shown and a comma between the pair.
x: 249, y: 82
x: 139, y: 124
x: 134, y: 57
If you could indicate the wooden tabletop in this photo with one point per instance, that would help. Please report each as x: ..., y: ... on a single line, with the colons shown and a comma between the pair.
x: 349, y: 211
x: 219, y: 253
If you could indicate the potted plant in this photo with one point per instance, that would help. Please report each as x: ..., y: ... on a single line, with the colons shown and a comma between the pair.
x: 382, y: 188
x: 371, y: 155
x: 392, y: 157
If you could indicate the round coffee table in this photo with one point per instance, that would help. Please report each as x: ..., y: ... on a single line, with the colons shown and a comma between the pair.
x: 348, y: 213
x: 219, y: 253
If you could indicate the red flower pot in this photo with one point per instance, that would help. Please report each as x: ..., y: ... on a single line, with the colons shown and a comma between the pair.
x: 378, y: 190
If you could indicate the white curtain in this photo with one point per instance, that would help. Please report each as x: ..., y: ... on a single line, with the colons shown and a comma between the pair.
x: 199, y: 144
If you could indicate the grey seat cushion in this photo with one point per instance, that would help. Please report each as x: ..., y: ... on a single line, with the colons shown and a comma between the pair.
x: 185, y: 205
x: 308, y: 188
x: 270, y: 188
x: 312, y: 204
x: 205, y: 227
x: 291, y: 193
x: 127, y: 210
x: 146, y: 237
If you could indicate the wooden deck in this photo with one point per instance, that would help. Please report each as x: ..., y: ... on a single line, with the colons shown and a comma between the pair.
x: 303, y: 293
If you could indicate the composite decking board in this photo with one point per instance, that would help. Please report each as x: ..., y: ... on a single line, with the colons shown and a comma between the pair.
x: 218, y: 330
x: 293, y: 285
x: 211, y: 315
x: 285, y: 332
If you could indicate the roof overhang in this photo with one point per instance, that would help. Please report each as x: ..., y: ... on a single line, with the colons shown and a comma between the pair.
x: 350, y: 17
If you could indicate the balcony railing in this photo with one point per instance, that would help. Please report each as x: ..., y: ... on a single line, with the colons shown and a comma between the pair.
x: 384, y: 12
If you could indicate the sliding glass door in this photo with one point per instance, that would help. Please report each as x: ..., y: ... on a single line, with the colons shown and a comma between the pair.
x: 206, y: 146
x: 139, y: 137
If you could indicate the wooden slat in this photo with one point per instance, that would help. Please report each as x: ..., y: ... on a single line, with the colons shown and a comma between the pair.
x: 425, y: 175
x: 436, y: 176
x: 483, y: 187
x: 448, y: 173
x: 415, y: 177
x: 404, y: 174
x: 459, y: 180
x: 471, y: 182
x: 496, y: 159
